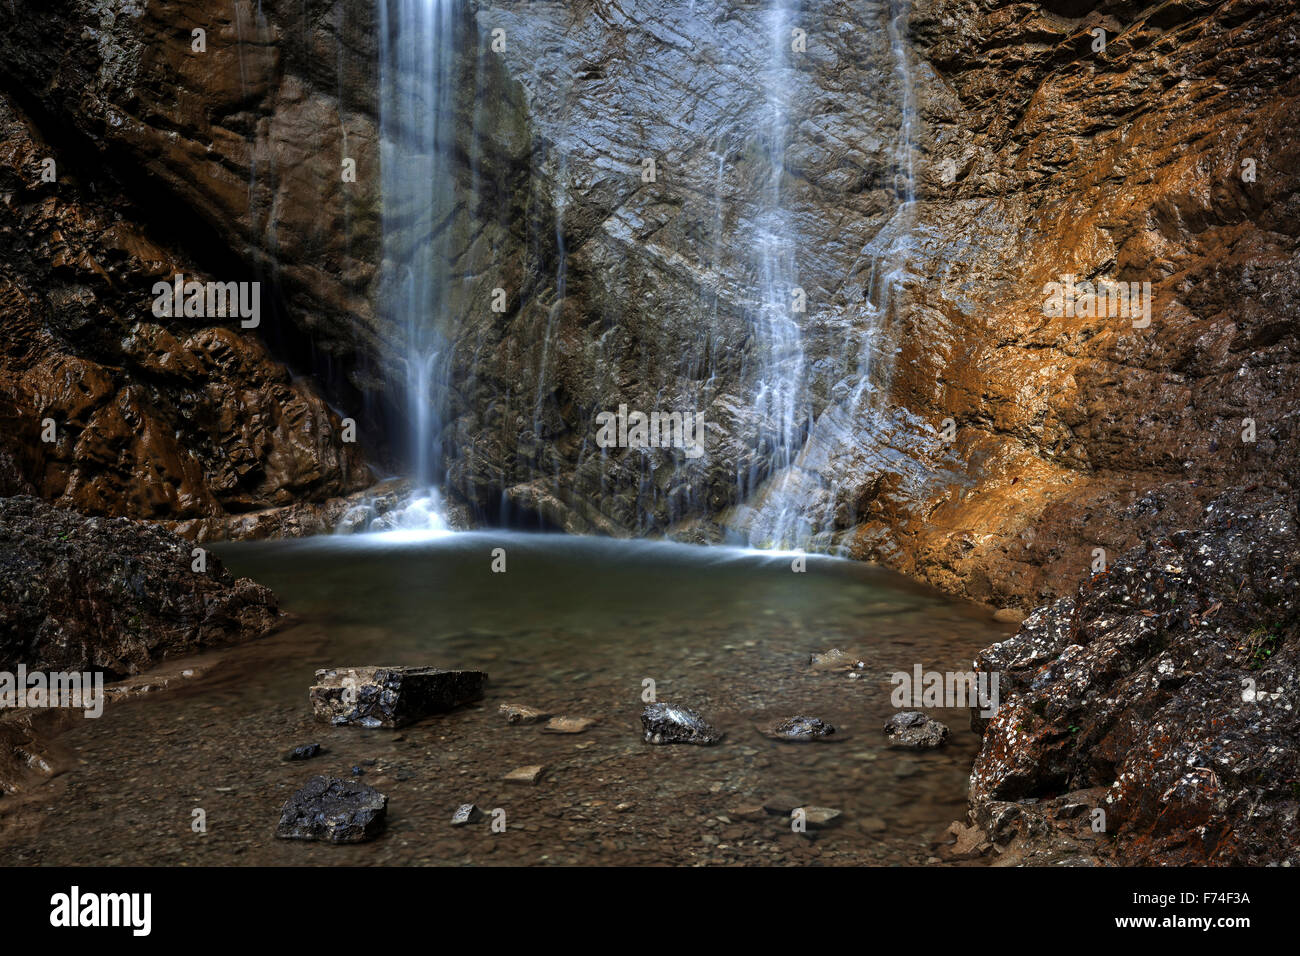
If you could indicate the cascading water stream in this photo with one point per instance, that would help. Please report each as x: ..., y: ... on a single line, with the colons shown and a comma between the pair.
x: 417, y: 74
x: 779, y: 393
x: 800, y: 505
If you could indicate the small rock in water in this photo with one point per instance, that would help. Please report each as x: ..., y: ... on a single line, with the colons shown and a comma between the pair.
x: 305, y: 752
x: 968, y: 843
x: 529, y: 774
x: 521, y: 714
x: 913, y: 730
x: 568, y: 725
x: 390, y: 696
x: 670, y: 724
x: 818, y: 817
x: 835, y: 660
x: 466, y: 813
x: 335, y: 810
x: 781, y: 804
x: 798, y: 729
x: 358, y: 771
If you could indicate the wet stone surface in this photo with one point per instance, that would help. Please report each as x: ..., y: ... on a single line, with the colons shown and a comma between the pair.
x: 391, y: 696
x: 913, y: 730
x: 333, y: 810
x: 674, y: 724
x: 800, y: 729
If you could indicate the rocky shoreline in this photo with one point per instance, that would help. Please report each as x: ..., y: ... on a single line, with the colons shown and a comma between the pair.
x: 107, y: 596
x: 1144, y: 720
x: 1151, y: 718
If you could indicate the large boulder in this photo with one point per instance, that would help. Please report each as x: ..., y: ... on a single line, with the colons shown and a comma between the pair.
x: 1163, y: 695
x: 391, y: 696
x: 87, y: 593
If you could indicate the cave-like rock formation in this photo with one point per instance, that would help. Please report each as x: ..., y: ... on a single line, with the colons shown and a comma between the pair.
x: 1167, y: 157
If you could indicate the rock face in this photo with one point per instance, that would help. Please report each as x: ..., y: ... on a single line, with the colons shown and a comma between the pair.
x: 333, y: 810
x: 110, y: 409
x: 937, y: 169
x: 1031, y: 157
x: 1163, y: 694
x: 225, y: 164
x: 671, y: 724
x: 391, y: 696
x: 245, y: 137
x: 79, y: 593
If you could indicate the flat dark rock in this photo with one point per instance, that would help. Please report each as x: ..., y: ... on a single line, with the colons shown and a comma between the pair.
x: 333, y: 810
x: 671, y: 724
x: 391, y: 696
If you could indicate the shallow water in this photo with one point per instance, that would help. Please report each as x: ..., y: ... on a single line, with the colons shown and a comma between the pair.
x: 574, y: 626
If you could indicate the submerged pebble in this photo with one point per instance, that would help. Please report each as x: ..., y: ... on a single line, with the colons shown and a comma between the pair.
x: 798, y: 729
x: 304, y: 752
x: 913, y: 730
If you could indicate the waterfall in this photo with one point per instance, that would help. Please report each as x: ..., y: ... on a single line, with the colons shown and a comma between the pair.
x: 802, y: 504
x: 779, y: 390
x: 417, y: 86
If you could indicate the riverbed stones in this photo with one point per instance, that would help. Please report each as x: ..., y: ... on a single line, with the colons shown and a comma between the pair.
x: 674, y: 724
x: 522, y: 714
x: 798, y: 729
x: 913, y: 730
x: 391, y: 696
x: 333, y: 810
x: 781, y: 804
x: 466, y: 814
x: 529, y: 774
x: 304, y: 752
x: 568, y: 725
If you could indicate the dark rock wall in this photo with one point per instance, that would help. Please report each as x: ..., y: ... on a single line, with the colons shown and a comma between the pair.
x: 110, y: 410
x: 111, y: 595
x: 1031, y: 156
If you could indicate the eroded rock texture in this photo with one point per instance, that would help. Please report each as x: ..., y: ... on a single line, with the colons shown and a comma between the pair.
x: 939, y: 163
x: 1030, y: 157
x: 110, y: 410
x: 112, y: 595
x: 1162, y: 693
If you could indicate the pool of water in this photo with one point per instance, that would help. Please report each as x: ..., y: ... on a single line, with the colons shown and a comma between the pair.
x: 574, y: 626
